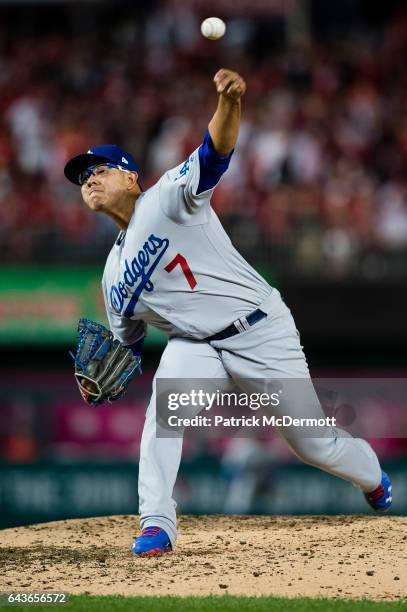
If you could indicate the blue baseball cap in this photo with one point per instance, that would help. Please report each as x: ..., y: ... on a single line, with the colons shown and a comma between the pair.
x: 99, y: 155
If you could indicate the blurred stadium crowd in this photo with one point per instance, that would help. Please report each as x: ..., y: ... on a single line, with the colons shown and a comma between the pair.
x: 317, y: 185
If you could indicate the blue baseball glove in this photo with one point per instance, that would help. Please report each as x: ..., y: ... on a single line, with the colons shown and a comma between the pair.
x: 103, y: 367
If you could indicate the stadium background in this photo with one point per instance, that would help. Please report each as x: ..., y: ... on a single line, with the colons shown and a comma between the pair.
x: 315, y: 198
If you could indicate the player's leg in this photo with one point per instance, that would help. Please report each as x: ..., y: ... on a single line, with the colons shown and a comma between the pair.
x: 271, y: 349
x: 159, y: 456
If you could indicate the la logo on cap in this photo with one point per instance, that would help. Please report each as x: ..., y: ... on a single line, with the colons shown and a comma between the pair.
x: 124, y: 160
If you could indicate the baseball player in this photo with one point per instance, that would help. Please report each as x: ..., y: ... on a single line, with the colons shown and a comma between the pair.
x: 174, y: 267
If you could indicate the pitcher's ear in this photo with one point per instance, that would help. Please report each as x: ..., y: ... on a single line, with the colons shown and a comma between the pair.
x: 132, y: 179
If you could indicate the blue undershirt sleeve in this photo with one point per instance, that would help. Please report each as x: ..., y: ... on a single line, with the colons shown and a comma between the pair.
x: 212, y: 165
x: 137, y: 347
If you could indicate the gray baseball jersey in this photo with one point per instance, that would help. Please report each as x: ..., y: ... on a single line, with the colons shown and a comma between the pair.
x: 175, y: 267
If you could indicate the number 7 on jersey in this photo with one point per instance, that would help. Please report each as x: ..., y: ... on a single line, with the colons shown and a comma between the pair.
x: 180, y: 260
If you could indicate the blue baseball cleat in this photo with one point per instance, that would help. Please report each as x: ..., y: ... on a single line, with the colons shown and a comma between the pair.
x: 380, y: 499
x: 151, y: 541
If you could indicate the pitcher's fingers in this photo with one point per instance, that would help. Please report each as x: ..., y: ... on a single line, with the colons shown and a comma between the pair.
x: 221, y: 74
x: 236, y: 89
x: 225, y: 83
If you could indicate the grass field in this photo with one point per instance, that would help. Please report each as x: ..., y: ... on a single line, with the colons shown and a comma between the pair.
x: 225, y: 603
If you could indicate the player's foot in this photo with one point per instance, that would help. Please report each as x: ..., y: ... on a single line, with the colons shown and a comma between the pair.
x: 151, y: 541
x: 380, y: 499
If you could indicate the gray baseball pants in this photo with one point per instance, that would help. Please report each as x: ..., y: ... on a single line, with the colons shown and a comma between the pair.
x: 270, y: 349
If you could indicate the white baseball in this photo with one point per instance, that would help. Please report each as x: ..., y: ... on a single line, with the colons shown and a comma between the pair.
x: 213, y: 28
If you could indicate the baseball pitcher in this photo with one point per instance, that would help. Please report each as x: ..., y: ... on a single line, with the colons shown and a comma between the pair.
x: 173, y: 266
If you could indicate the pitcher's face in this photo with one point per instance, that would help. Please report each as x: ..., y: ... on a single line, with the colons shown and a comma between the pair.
x: 103, y: 185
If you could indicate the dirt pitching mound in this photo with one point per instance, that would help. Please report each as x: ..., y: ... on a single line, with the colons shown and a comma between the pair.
x: 341, y: 556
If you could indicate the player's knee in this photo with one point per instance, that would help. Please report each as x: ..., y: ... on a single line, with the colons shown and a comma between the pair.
x: 315, y: 451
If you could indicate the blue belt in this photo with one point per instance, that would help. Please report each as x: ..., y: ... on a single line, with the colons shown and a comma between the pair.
x: 238, y: 326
